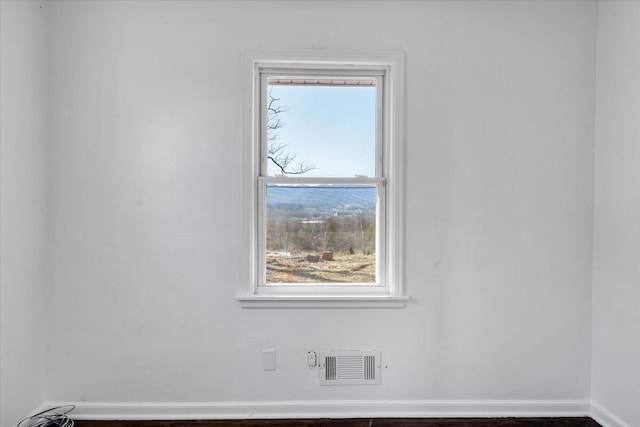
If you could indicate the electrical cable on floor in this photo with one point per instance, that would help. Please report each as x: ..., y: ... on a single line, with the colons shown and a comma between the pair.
x: 53, y: 417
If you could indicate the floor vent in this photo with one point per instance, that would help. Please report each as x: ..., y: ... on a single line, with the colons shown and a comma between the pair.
x: 349, y: 367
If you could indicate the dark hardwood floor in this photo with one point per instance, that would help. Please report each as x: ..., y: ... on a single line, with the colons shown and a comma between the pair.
x: 359, y: 422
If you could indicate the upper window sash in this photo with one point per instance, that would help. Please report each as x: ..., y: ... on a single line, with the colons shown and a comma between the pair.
x: 323, y: 74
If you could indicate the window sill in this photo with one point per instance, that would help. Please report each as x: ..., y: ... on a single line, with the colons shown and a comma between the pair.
x: 321, y: 301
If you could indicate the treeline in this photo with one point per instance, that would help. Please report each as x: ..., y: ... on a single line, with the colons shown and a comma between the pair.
x: 342, y: 234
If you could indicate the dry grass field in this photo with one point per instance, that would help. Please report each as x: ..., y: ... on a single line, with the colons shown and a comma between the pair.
x: 296, y: 268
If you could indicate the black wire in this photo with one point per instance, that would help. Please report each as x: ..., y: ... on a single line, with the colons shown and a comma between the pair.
x: 52, y: 417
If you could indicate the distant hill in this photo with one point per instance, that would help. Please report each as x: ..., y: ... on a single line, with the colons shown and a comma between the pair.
x: 322, y: 195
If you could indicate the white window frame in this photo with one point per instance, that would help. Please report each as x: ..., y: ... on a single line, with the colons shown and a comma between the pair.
x: 388, y: 69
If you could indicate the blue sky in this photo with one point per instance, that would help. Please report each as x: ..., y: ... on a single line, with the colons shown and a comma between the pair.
x: 332, y: 127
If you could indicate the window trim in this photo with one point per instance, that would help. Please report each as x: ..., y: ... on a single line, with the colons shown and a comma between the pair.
x: 391, y: 65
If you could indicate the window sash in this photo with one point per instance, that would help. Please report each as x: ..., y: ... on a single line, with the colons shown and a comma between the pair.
x: 381, y: 230
x: 265, y: 74
x: 379, y: 181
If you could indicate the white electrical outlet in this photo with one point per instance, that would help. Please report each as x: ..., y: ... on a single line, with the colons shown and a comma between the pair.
x: 312, y: 359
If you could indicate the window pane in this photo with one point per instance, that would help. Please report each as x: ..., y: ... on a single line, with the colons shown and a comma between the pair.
x: 321, y: 234
x: 326, y: 129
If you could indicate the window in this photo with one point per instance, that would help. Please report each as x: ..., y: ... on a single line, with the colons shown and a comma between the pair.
x: 324, y: 182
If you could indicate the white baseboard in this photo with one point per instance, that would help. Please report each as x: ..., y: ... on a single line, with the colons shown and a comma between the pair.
x: 328, y: 409
x: 605, y: 417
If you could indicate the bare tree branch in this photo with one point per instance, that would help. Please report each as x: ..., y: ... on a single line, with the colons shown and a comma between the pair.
x: 278, y: 152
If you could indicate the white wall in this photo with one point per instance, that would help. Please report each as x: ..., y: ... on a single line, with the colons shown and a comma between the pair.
x: 146, y: 169
x: 616, y: 270
x: 23, y: 220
